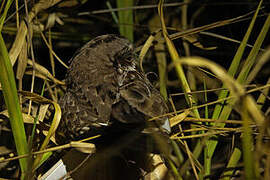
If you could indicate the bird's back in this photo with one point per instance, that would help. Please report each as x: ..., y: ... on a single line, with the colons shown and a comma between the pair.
x: 104, y: 86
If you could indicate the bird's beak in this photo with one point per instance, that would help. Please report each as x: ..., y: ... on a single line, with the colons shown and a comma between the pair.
x: 166, y: 126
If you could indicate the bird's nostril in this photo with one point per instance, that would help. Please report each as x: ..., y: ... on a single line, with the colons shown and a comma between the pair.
x: 166, y: 126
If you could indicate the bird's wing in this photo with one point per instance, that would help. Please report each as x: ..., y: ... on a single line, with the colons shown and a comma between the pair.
x: 90, y: 93
x: 139, y: 95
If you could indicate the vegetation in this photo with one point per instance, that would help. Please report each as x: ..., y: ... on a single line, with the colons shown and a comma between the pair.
x: 211, y: 70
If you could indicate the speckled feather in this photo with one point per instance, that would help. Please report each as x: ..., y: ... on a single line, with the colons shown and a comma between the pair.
x: 104, y: 86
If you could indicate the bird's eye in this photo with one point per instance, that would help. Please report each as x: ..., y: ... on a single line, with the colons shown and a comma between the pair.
x: 129, y: 58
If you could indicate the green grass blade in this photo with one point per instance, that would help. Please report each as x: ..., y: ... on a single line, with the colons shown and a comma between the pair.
x: 125, y: 19
x: 251, y: 59
x: 162, y: 70
x: 44, y: 158
x: 175, y: 57
x: 3, y: 16
x: 233, y: 162
x: 218, y: 112
x: 247, y: 141
x: 12, y: 102
x: 114, y: 16
x: 236, y: 61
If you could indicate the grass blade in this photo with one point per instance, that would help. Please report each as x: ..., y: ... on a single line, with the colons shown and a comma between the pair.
x: 125, y: 19
x: 12, y: 102
x: 3, y: 17
x: 218, y: 112
x: 175, y: 57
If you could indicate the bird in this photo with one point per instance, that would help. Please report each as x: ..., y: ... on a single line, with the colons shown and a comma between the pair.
x: 104, y: 85
x: 107, y: 93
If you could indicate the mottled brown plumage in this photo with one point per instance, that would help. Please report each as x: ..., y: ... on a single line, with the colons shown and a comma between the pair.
x: 104, y: 86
